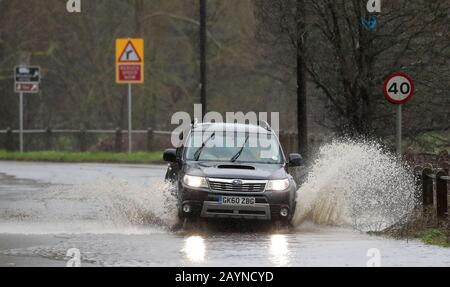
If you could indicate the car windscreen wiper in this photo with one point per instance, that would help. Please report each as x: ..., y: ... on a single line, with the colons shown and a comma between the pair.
x: 236, y: 156
x: 198, y: 152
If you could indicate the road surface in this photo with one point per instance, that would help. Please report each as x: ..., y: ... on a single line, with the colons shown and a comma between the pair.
x: 121, y: 215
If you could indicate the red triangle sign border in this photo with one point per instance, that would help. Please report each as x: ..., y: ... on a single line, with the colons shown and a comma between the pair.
x: 130, y: 42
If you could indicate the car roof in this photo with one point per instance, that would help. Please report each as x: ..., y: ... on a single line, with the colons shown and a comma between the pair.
x: 230, y: 127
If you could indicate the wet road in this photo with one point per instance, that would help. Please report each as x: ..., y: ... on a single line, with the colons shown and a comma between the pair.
x: 120, y: 215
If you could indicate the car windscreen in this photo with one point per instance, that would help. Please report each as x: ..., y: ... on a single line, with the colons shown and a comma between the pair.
x: 240, y: 147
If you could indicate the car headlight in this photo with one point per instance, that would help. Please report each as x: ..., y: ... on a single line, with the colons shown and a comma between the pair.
x: 195, y: 181
x: 278, y: 185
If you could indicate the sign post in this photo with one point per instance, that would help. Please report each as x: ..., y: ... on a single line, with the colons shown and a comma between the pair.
x: 398, y: 138
x: 27, y: 79
x: 130, y: 119
x: 398, y: 90
x: 21, y: 122
x: 130, y: 70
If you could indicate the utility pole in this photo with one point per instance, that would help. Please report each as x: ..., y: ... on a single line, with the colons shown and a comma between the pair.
x: 203, y: 51
x: 302, y: 110
x: 138, y: 15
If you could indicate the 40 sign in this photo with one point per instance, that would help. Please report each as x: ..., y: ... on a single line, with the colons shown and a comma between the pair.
x: 399, y: 88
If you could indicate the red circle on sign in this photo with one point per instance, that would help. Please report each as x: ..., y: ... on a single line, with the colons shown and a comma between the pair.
x: 411, y: 91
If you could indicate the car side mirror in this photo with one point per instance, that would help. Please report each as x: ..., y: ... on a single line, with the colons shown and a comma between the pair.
x: 295, y: 160
x: 170, y: 155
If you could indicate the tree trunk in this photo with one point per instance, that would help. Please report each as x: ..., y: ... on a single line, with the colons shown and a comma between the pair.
x: 302, y: 115
x: 138, y: 10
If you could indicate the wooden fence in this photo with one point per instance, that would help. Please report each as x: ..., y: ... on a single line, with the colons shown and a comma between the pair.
x: 114, y: 140
x: 148, y: 140
x: 434, y: 184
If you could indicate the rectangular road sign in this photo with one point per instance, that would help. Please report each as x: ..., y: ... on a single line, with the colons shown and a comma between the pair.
x: 130, y: 73
x: 130, y: 61
x: 27, y: 79
x: 27, y: 88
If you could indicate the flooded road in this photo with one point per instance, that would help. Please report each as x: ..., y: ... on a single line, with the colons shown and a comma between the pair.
x: 120, y: 215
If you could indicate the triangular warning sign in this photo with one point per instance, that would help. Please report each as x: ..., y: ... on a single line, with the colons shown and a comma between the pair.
x: 130, y: 54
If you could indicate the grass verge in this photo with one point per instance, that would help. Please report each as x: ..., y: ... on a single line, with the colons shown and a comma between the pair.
x: 75, y: 157
x: 424, y: 227
x: 434, y: 237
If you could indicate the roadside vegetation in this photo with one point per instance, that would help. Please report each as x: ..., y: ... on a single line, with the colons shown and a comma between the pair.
x: 94, y: 157
x: 425, y: 228
x: 430, y: 142
x: 439, y: 236
x: 262, y: 56
x: 435, y: 236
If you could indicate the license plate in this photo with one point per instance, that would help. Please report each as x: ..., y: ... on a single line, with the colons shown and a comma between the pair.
x: 237, y: 200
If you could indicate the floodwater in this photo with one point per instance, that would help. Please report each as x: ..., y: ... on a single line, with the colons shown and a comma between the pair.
x: 121, y: 215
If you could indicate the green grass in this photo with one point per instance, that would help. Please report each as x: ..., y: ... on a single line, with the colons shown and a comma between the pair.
x: 434, y: 237
x: 95, y: 157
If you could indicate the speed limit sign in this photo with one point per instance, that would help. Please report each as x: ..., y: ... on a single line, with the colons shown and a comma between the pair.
x: 399, y: 88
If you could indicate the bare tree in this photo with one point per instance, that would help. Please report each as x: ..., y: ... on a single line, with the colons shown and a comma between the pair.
x: 348, y: 63
x: 283, y: 24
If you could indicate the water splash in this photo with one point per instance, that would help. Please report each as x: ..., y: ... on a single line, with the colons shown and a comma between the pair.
x: 107, y: 205
x: 358, y: 184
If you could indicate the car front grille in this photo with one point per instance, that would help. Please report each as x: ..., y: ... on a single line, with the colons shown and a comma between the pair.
x: 226, y: 185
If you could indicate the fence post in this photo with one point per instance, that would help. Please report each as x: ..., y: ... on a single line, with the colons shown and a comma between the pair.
x: 48, y: 139
x: 150, y: 139
x: 83, y: 140
x: 118, y: 140
x: 441, y: 195
x: 427, y: 191
x: 9, y: 140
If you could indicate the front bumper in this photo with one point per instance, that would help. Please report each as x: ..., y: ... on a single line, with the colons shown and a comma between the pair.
x: 205, y: 203
x: 212, y: 209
